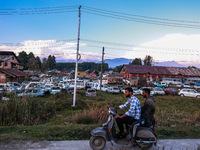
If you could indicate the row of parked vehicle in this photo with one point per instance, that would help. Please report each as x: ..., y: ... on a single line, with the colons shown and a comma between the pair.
x: 157, y: 91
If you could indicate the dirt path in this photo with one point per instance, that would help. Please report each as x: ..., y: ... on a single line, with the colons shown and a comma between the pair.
x: 183, y: 144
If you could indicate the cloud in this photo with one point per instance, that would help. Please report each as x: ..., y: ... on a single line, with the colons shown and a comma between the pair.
x: 43, y: 48
x: 172, y: 47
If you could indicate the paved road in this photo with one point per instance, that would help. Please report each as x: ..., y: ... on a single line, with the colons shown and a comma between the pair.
x: 184, y: 144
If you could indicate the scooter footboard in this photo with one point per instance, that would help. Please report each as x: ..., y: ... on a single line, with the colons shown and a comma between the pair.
x: 100, y: 132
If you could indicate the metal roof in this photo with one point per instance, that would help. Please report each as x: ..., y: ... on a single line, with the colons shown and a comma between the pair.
x: 160, y: 70
x: 13, y: 72
x: 147, y: 69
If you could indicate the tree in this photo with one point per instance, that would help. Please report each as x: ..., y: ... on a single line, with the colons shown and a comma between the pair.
x: 23, y: 58
x: 38, y: 62
x: 136, y: 61
x: 44, y: 64
x: 51, y: 62
x: 148, y: 60
x: 117, y: 68
x: 31, y: 55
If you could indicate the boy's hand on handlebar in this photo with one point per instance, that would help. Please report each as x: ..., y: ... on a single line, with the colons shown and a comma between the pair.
x: 117, y: 107
x: 117, y: 117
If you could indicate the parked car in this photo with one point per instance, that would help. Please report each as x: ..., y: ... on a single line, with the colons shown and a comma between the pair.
x: 55, y: 89
x: 91, y: 92
x: 36, y: 92
x: 187, y: 85
x: 170, y: 91
x: 151, y: 90
x: 158, y: 91
x: 113, y: 90
x: 70, y: 90
x: 7, y: 88
x: 189, y: 93
x: 179, y: 85
x: 162, y: 84
x: 135, y: 91
x: 120, y: 87
x: 197, y: 86
x: 17, y: 85
x: 103, y: 87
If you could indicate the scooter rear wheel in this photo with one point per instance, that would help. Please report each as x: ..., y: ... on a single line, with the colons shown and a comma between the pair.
x: 145, y: 134
x: 97, y: 142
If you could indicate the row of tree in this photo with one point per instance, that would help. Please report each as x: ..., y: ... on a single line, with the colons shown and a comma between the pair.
x: 34, y: 63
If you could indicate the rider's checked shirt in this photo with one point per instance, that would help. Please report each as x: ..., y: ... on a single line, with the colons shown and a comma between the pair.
x: 135, y: 109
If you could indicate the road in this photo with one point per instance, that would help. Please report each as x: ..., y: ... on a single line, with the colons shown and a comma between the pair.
x: 182, y: 144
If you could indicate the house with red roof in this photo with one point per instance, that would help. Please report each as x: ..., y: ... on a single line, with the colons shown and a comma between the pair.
x: 158, y: 72
x: 10, y: 68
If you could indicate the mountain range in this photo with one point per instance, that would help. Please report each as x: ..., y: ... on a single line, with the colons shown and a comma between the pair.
x: 121, y: 61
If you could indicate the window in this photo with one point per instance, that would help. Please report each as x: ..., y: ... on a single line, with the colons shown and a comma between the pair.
x: 6, y: 64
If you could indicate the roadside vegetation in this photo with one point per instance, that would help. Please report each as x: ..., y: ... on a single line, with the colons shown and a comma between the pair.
x: 53, y: 118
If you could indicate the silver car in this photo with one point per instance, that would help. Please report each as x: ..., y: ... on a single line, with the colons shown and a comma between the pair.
x: 189, y: 93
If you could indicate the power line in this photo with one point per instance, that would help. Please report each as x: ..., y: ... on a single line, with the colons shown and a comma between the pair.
x: 134, y: 46
x: 140, y: 16
x: 39, y: 13
x: 44, y: 10
x: 144, y: 21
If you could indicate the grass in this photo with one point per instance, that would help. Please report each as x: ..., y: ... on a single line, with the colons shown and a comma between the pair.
x: 52, y: 117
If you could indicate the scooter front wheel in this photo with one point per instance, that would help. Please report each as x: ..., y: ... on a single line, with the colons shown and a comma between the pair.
x: 97, y: 142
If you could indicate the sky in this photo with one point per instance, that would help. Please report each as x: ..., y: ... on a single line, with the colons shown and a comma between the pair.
x: 166, y: 30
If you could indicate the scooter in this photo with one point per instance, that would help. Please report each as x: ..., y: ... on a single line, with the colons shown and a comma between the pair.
x: 145, y: 136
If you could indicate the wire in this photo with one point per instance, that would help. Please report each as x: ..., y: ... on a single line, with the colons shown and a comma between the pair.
x: 103, y: 43
x: 43, y: 10
x: 140, y: 16
x: 145, y: 21
x: 38, y: 13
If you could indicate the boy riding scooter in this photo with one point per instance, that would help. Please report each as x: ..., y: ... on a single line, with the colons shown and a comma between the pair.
x: 132, y: 115
x: 144, y: 137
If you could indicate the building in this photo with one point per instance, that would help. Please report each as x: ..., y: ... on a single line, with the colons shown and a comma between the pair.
x: 10, y: 68
x: 112, y: 78
x: 153, y: 73
x: 81, y: 74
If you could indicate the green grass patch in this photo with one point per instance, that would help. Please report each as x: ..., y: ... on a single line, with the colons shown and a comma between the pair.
x: 53, y: 118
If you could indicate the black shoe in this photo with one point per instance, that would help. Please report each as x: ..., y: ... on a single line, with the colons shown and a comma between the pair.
x: 120, y: 136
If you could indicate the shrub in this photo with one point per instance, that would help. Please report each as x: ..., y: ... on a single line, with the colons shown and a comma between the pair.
x: 25, y: 111
x: 96, y: 114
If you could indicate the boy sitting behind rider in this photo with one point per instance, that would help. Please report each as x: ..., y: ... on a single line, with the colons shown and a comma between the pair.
x: 132, y: 115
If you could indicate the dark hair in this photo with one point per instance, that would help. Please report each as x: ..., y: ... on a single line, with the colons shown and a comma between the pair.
x: 147, y: 90
x: 129, y: 89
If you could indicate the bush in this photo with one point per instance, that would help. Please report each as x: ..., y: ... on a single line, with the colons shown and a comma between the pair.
x: 25, y: 111
x: 96, y: 114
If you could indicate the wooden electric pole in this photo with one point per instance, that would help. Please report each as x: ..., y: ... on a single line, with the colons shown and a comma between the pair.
x: 102, y: 68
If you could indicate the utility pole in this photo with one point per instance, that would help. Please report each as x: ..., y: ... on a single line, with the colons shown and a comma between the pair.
x: 102, y: 68
x: 77, y: 54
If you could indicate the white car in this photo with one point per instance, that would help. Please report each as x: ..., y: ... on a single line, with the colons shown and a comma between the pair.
x: 187, y: 85
x: 151, y: 90
x: 55, y: 89
x: 113, y: 90
x: 197, y: 86
x: 179, y: 85
x: 189, y: 93
x: 135, y: 91
x: 159, y: 91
